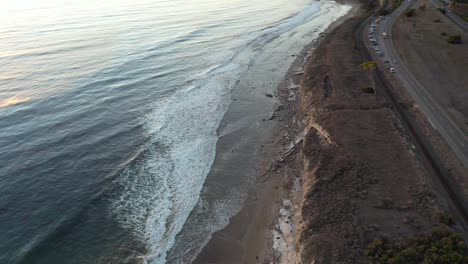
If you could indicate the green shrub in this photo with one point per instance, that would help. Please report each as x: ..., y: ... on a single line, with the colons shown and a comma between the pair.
x: 368, y: 90
x: 455, y: 39
x: 443, y: 218
x: 385, y: 12
x: 396, y: 4
x: 437, y: 21
x: 443, y: 34
x: 441, y: 246
x: 410, y: 12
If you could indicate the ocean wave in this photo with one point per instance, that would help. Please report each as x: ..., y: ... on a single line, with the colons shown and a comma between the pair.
x: 161, y: 187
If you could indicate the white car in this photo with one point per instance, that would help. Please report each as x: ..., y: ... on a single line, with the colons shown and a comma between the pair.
x: 392, y: 69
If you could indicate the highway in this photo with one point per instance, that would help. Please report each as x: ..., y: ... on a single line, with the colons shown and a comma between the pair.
x: 437, y: 115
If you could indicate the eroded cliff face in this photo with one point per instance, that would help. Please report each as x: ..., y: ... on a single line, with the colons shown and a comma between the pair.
x: 360, y: 179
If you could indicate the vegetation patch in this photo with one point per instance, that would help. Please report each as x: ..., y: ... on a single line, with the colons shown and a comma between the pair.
x: 443, y: 34
x: 443, y: 218
x: 442, y: 10
x: 368, y: 90
x: 396, y: 4
x: 454, y: 39
x: 441, y: 246
x: 385, y: 12
x: 437, y: 21
x: 410, y: 12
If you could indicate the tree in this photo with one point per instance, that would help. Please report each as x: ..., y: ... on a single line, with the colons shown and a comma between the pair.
x: 369, y: 66
x: 410, y: 12
x: 455, y: 39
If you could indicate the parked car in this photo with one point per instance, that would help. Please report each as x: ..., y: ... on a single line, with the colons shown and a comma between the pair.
x: 392, y: 69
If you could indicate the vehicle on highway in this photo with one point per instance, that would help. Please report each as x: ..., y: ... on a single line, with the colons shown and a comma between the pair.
x: 392, y: 69
x: 384, y: 34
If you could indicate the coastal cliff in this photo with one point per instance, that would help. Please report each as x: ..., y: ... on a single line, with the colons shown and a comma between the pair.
x: 361, y: 180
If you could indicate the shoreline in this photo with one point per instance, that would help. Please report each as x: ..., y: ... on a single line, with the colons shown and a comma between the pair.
x: 248, y: 238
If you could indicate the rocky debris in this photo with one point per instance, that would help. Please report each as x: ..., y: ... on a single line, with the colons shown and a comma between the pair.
x: 298, y: 72
x: 287, y: 154
x: 403, y: 208
x: 272, y: 116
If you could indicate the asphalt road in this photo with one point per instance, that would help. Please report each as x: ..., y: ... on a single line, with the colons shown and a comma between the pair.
x: 436, y: 114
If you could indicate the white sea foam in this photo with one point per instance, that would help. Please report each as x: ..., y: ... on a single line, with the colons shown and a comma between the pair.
x: 162, y: 188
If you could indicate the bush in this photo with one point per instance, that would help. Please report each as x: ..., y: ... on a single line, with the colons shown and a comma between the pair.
x: 437, y: 21
x: 410, y: 12
x: 396, y: 4
x: 455, y: 39
x: 443, y: 218
x: 385, y: 12
x: 443, y: 34
x: 441, y: 246
x: 368, y: 90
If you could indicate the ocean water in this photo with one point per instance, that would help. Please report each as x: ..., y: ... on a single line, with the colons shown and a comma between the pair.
x: 109, y: 112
